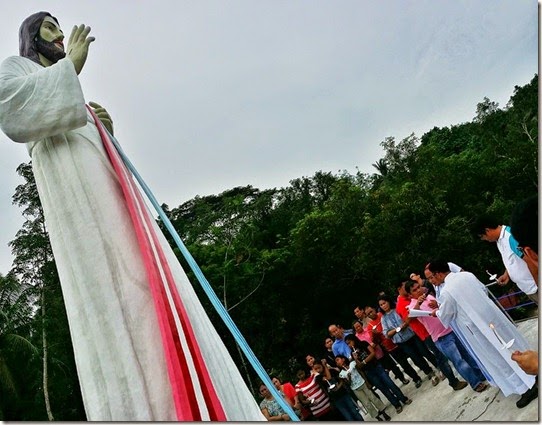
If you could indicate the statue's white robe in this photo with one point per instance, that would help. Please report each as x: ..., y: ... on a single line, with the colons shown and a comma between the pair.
x: 113, y: 325
x: 464, y: 302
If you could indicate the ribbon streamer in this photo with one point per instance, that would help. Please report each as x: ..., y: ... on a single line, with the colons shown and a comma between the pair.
x: 213, y: 402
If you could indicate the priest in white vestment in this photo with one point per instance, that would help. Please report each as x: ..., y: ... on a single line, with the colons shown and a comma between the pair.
x: 463, y: 302
x: 115, y: 333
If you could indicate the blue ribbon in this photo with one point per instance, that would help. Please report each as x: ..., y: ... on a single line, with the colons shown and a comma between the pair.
x: 223, y: 313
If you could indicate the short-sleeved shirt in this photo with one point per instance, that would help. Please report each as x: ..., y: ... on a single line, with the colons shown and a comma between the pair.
x: 366, y: 353
x: 289, y: 391
x: 379, y: 337
x: 311, y: 390
x: 392, y: 320
x: 367, y: 335
x: 352, y: 376
x: 516, y: 266
x: 272, y: 406
x: 414, y: 324
x: 433, y: 324
x: 341, y: 347
x: 338, y: 391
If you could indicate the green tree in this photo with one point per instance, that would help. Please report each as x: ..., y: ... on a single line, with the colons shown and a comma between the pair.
x: 283, y: 259
x: 34, y: 267
x: 485, y: 109
x: 16, y: 350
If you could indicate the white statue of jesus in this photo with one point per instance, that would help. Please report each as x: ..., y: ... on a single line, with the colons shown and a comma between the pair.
x: 119, y: 353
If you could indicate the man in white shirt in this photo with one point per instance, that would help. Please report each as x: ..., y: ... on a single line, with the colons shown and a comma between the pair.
x: 516, y: 268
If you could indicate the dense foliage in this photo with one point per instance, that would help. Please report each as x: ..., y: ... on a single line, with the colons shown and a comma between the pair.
x: 288, y: 262
x: 46, y: 386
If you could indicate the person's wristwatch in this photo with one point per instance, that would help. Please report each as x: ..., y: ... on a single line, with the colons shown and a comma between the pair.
x: 398, y: 329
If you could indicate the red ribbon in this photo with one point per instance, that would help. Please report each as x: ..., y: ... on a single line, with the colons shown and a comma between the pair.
x: 154, y: 259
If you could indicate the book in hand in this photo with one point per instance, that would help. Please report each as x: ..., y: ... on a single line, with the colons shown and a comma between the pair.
x: 418, y: 313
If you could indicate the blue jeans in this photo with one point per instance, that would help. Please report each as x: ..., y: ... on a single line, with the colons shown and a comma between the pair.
x: 442, y: 362
x: 461, y: 359
x: 415, y: 349
x: 347, y: 407
x: 380, y: 379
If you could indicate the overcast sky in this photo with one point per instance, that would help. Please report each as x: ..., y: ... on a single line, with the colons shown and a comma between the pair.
x: 208, y: 95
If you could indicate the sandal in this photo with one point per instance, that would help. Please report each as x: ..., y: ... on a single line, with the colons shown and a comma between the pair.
x: 399, y: 409
x: 481, y: 387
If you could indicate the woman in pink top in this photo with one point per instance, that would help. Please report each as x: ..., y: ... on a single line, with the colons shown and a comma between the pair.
x: 367, y: 335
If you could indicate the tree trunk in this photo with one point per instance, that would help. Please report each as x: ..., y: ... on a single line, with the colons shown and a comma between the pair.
x: 45, y: 369
x: 247, y: 374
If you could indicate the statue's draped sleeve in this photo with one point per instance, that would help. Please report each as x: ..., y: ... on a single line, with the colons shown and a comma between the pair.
x: 37, y: 102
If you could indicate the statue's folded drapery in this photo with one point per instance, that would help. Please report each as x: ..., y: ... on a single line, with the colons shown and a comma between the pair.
x: 113, y: 323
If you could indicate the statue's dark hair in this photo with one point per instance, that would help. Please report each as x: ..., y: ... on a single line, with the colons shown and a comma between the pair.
x: 28, y: 32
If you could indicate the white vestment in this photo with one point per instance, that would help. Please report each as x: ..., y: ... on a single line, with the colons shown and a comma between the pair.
x: 113, y: 324
x: 463, y: 300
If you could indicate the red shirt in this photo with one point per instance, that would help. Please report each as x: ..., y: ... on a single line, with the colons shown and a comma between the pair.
x: 415, y: 324
x: 380, y: 338
x: 289, y: 392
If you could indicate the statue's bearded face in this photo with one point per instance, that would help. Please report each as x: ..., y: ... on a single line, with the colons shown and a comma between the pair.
x: 49, y: 40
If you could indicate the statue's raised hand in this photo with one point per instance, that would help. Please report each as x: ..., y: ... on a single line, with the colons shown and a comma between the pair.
x: 103, y: 115
x: 78, y: 46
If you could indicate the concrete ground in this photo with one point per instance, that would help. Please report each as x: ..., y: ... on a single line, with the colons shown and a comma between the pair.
x: 441, y: 403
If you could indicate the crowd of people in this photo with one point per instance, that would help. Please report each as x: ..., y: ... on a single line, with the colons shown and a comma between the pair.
x: 441, y: 319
